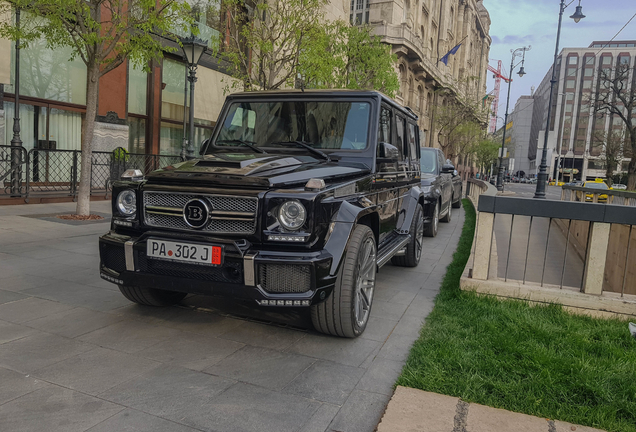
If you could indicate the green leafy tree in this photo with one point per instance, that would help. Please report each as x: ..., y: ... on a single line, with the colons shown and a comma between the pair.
x: 264, y: 43
x: 486, y: 153
x: 343, y: 56
x: 103, y: 34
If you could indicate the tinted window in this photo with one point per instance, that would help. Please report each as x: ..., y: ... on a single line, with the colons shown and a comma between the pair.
x: 428, y: 161
x: 325, y: 125
x: 384, y: 131
x: 412, y: 140
x: 400, y: 141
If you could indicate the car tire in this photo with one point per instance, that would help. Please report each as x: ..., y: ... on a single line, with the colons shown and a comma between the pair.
x: 151, y: 296
x: 458, y: 203
x: 430, y: 230
x: 448, y: 216
x: 414, y: 248
x: 346, y: 311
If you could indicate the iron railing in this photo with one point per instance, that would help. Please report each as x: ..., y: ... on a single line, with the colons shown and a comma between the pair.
x: 59, y: 171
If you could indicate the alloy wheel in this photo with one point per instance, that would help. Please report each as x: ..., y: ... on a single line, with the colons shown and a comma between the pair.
x: 365, y: 283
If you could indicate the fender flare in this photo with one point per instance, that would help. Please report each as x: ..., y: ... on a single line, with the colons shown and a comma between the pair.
x: 340, y: 230
x: 407, y: 212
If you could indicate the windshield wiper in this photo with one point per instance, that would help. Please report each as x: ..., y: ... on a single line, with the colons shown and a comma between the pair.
x: 306, y: 145
x: 249, y: 144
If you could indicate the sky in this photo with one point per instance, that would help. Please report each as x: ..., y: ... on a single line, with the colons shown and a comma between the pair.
x: 519, y: 23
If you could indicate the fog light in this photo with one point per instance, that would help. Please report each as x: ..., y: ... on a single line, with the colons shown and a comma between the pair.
x: 305, y: 302
x: 296, y: 302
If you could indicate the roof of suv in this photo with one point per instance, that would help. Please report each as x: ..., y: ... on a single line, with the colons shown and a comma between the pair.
x: 325, y: 93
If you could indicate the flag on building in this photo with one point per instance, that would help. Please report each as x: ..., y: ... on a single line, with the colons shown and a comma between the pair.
x: 452, y: 51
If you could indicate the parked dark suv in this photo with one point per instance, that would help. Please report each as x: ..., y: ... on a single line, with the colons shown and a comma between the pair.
x: 296, y: 201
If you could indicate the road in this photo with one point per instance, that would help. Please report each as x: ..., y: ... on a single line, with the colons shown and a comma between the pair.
x: 527, y: 190
x: 75, y: 355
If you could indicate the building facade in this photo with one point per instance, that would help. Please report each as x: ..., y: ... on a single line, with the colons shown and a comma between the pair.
x: 420, y: 32
x: 142, y: 111
x: 574, y: 127
x: 520, y: 130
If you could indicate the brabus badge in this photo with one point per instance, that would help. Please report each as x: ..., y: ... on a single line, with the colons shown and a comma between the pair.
x: 196, y: 213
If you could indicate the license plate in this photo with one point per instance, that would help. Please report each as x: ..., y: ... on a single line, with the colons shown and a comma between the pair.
x: 185, y: 252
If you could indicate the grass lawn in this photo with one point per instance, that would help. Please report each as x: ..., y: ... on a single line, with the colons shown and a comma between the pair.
x: 537, y: 360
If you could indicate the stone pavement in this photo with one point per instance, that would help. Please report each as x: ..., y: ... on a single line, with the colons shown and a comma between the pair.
x: 412, y: 410
x: 75, y: 355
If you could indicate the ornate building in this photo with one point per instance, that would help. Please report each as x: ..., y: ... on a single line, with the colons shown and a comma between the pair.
x: 421, y: 32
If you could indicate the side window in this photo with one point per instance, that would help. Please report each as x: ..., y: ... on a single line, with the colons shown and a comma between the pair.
x: 440, y: 159
x: 384, y: 131
x: 412, y: 140
x: 400, y: 139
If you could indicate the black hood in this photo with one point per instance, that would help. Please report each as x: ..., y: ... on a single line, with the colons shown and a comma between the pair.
x: 256, y: 170
x: 428, y: 178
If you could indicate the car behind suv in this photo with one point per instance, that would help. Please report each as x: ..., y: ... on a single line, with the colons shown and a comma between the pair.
x: 296, y: 201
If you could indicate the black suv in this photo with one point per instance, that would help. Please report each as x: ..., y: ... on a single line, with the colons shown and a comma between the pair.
x: 296, y: 201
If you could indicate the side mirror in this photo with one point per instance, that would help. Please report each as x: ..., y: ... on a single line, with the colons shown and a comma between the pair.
x: 448, y: 168
x: 203, y: 145
x: 388, y: 151
x: 132, y: 175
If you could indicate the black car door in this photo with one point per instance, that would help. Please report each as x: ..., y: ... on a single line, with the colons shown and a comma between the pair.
x: 386, y: 177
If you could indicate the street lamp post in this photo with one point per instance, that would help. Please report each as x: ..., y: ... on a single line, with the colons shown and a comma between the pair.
x: 543, y: 174
x: 518, y: 52
x: 560, y: 143
x: 193, y: 48
x: 16, y: 156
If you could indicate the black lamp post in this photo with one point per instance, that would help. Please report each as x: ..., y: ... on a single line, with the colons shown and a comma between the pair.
x: 16, y: 156
x: 193, y: 48
x: 518, y: 52
x: 542, y: 177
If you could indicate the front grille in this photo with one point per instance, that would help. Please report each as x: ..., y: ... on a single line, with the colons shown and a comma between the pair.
x: 229, y: 214
x: 230, y: 272
x: 285, y: 278
x: 113, y: 257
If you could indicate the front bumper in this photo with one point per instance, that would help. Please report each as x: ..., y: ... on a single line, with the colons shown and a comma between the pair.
x: 268, y: 277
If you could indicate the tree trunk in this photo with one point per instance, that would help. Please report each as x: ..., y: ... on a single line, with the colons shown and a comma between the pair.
x: 92, y: 92
x: 631, y: 175
x: 631, y: 168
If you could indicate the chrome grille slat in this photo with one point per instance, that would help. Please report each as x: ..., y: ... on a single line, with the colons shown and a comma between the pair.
x: 225, y: 212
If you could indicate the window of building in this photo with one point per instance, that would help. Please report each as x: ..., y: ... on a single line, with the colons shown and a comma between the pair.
x: 137, y: 90
x: 607, y: 60
x: 208, y: 20
x: 407, y: 10
x: 359, y: 12
x: 49, y: 74
x: 573, y: 60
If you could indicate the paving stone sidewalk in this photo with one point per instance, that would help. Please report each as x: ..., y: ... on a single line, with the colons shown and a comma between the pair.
x: 75, y: 355
x: 412, y: 410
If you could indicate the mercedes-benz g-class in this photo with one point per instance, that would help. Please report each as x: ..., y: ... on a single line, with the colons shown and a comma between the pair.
x: 295, y: 201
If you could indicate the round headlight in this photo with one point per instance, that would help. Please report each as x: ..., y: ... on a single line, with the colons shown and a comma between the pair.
x: 291, y: 215
x: 127, y: 202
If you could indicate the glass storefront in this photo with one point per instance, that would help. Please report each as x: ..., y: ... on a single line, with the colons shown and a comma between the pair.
x: 49, y: 74
x: 44, y: 127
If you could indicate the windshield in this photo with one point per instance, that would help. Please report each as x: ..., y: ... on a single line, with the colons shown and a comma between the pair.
x: 596, y: 185
x: 321, y: 125
x: 428, y: 161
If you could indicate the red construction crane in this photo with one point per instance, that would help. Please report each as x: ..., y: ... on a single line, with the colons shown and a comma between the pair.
x: 495, y: 103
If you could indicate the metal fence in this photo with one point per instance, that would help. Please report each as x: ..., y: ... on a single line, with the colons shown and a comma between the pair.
x: 59, y: 171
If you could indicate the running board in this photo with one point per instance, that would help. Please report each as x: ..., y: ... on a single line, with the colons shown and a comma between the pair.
x: 390, y: 249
